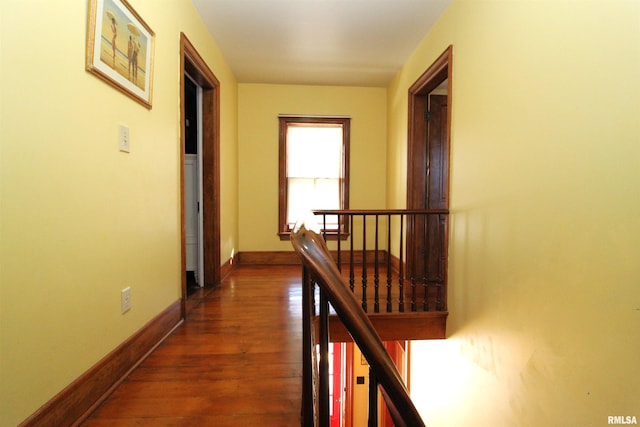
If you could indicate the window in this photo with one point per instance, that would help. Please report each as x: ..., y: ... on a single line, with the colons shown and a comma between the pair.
x: 314, y: 169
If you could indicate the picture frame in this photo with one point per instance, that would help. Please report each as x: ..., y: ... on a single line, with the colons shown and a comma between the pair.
x: 120, y: 49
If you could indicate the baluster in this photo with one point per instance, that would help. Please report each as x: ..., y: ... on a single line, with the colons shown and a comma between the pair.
x: 401, y: 268
x: 443, y: 219
x: 373, y: 400
x: 413, y: 293
x: 308, y: 348
x: 376, y: 275
x: 323, y: 390
x: 351, y: 272
x: 426, y: 262
x: 364, y: 263
x: 424, y: 279
x: 324, y: 226
x: 389, y: 306
x: 339, y: 260
x: 425, y: 301
x: 414, y: 222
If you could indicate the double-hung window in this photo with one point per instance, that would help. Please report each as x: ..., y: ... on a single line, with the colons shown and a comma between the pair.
x: 314, y: 169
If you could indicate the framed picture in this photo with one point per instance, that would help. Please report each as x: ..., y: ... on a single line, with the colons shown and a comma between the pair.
x: 120, y: 48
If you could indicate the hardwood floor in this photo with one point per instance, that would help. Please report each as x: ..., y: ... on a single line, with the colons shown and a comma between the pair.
x: 236, y: 361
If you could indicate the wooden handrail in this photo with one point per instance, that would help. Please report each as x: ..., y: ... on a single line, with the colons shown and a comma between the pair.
x: 379, y: 211
x: 315, y: 256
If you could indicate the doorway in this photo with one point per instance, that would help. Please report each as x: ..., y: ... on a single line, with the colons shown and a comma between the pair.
x: 354, y: 380
x: 336, y: 384
x: 399, y: 351
x: 197, y: 81
x: 428, y: 173
x: 194, y: 252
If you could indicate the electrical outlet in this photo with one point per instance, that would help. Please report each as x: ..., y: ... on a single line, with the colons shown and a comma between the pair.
x: 125, y: 299
x: 124, y: 140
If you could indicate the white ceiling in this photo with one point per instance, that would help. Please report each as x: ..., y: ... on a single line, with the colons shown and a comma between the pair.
x: 318, y: 42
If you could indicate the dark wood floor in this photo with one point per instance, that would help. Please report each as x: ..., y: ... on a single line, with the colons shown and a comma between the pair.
x: 236, y: 361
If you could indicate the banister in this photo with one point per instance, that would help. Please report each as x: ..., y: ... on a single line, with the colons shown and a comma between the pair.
x: 416, y: 266
x: 315, y: 256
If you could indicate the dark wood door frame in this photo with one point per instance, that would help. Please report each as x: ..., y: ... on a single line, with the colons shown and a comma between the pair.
x: 192, y: 63
x: 418, y: 156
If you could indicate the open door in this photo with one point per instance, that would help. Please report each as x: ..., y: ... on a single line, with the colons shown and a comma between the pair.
x: 428, y: 173
x: 336, y: 381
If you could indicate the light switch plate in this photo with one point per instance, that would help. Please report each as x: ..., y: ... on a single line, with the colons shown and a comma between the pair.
x: 124, y: 140
x: 125, y: 299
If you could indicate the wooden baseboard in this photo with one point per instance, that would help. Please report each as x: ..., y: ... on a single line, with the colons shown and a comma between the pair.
x: 395, y: 264
x: 75, y: 402
x: 268, y: 258
x: 227, y: 268
x: 291, y: 258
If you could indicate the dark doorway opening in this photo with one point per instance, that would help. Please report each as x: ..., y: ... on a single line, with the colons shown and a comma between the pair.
x: 428, y: 171
x: 194, y: 70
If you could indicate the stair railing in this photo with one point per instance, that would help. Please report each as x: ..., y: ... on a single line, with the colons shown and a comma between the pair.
x: 415, y: 279
x: 319, y: 268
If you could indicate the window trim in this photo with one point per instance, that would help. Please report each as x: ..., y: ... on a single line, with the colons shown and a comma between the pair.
x: 283, y: 124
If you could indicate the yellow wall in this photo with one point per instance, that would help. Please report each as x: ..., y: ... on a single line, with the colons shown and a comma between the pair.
x: 259, y: 107
x: 545, y: 199
x: 80, y: 220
